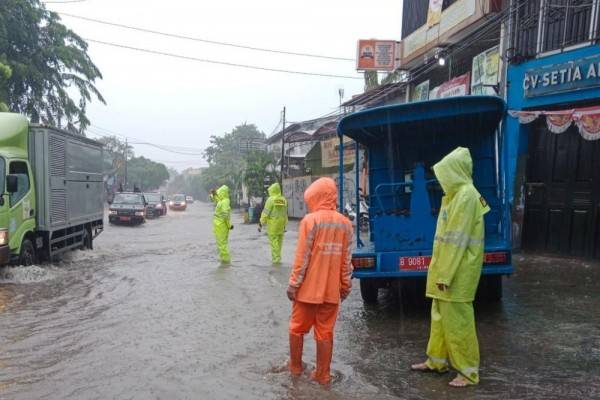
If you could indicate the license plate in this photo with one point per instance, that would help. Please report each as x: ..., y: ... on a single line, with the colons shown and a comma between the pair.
x: 124, y: 218
x: 416, y: 263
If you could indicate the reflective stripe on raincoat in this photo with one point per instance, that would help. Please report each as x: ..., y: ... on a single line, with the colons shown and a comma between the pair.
x: 322, y: 267
x: 275, y: 212
x: 459, y: 237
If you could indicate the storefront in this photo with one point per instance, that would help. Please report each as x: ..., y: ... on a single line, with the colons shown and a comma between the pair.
x: 554, y: 105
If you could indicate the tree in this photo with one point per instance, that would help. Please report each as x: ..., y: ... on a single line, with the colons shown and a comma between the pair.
x: 146, y: 174
x: 227, y: 157
x: 257, y: 172
x: 5, y: 74
x: 114, y: 157
x: 52, y: 77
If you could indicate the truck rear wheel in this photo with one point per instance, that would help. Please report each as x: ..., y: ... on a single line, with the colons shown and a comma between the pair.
x: 369, y: 290
x: 86, y: 241
x: 27, y: 256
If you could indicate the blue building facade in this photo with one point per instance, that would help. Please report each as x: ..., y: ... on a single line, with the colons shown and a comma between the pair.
x: 554, y: 129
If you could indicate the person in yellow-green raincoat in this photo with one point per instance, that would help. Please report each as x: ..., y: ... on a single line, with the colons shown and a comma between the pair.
x: 275, y: 217
x: 222, y: 222
x: 454, y: 272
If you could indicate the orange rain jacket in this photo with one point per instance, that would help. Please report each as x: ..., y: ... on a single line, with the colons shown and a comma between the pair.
x: 322, y: 267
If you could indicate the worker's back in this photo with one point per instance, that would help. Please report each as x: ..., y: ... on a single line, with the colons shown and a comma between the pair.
x: 322, y: 266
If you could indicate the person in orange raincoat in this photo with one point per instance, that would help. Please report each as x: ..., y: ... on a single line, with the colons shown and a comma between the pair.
x: 320, y: 277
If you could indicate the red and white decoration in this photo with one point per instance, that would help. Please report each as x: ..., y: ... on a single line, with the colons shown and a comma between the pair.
x: 586, y: 119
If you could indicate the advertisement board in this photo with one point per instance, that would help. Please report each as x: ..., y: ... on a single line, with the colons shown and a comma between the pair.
x: 420, y: 92
x: 376, y: 55
x: 485, y: 72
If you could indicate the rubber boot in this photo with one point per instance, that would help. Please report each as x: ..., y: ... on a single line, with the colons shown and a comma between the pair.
x: 322, y: 373
x: 295, y: 363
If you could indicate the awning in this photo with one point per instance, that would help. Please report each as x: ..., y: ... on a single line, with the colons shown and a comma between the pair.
x: 586, y: 119
x: 477, y: 114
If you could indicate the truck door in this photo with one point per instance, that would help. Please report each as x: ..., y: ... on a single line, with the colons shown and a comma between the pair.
x: 22, y: 204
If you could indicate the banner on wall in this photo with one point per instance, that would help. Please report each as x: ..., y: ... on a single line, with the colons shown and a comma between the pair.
x: 458, y: 86
x: 330, y: 156
x: 586, y: 119
x: 485, y: 71
x: 434, y: 13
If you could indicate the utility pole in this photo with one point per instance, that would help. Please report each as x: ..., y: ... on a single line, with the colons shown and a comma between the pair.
x: 282, y: 149
x: 126, y: 151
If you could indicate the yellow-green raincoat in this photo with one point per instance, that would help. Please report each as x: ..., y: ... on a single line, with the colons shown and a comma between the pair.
x: 222, y: 222
x: 456, y: 262
x: 275, y: 217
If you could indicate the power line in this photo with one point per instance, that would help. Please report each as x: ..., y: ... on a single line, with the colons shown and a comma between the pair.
x: 190, y: 58
x: 214, y: 42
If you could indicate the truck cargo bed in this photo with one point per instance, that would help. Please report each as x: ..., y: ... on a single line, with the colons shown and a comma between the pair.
x: 68, y: 175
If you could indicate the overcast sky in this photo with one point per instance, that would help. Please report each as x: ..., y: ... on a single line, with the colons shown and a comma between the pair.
x: 182, y: 103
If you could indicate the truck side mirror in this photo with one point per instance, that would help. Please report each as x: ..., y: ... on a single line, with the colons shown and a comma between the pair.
x: 12, y: 184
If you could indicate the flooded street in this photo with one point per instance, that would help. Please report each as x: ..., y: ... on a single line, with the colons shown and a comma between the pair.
x: 150, y: 314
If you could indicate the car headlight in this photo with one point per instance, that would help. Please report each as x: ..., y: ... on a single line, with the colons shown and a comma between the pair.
x: 3, y: 237
x: 139, y: 213
x: 112, y: 212
x: 171, y: 203
x: 183, y: 204
x: 159, y: 205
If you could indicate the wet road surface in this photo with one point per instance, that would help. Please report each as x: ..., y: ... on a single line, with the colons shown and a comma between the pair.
x: 150, y: 314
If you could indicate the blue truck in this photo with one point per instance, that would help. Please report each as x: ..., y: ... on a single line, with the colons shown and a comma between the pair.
x: 402, y: 143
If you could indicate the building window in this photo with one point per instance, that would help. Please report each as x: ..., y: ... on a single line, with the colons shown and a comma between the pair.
x: 566, y: 23
x: 526, y: 27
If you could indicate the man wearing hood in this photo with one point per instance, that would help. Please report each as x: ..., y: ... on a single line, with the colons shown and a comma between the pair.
x: 320, y: 277
x: 454, y: 271
x: 275, y: 217
x: 222, y: 222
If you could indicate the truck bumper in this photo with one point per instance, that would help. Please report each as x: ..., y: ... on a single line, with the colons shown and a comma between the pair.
x: 373, y: 274
x: 4, y: 255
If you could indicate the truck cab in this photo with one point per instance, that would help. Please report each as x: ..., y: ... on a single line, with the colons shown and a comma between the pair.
x: 403, y: 142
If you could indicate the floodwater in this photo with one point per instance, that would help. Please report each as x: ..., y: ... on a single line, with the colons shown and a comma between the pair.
x: 150, y: 314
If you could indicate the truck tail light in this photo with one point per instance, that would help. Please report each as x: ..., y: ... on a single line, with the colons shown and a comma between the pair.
x: 499, y: 257
x: 363, y: 262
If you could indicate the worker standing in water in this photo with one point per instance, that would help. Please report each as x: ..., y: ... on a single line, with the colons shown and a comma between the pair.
x: 454, y: 272
x: 320, y: 277
x: 222, y: 222
x: 275, y: 217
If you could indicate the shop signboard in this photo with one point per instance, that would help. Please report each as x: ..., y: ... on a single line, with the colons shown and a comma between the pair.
x: 377, y: 55
x: 485, y: 70
x: 458, y: 86
x: 583, y: 73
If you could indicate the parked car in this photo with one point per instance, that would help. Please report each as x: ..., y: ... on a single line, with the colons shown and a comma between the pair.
x: 189, y: 199
x: 128, y: 208
x: 154, y: 207
x: 178, y: 203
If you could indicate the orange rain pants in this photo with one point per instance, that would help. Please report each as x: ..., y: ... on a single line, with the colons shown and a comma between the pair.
x: 320, y: 316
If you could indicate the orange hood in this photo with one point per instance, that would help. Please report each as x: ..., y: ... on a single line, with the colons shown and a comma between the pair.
x: 321, y: 195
